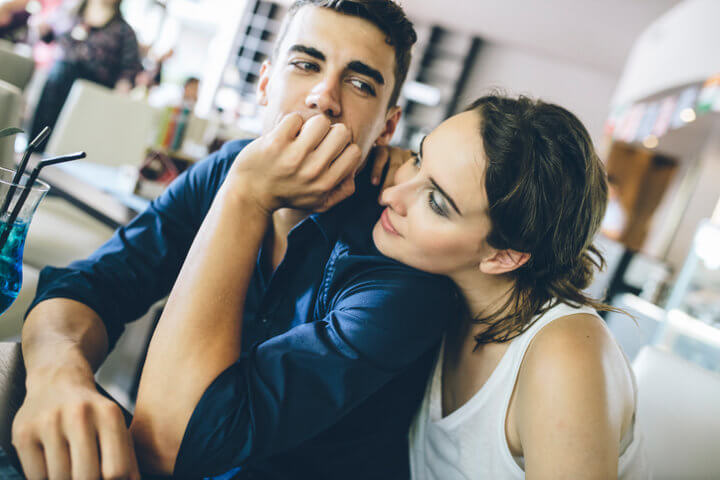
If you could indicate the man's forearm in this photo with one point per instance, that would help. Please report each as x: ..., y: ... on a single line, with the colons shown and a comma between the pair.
x: 199, y: 333
x: 63, y: 335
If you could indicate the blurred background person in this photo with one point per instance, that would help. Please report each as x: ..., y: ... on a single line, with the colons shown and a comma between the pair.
x: 13, y: 20
x: 96, y: 44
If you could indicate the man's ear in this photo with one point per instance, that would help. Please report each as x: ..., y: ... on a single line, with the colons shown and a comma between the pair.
x: 391, y: 122
x: 503, y: 261
x: 261, y: 90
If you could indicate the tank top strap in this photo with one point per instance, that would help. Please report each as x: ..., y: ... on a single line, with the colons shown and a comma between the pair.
x: 521, y: 343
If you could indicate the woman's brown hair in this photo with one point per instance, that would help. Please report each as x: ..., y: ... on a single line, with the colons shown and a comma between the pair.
x: 547, y: 193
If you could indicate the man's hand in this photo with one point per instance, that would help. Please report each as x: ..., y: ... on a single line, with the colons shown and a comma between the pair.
x: 309, y: 166
x: 67, y: 429
x: 393, y: 157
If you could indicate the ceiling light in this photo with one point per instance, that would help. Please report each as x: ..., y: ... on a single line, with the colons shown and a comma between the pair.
x: 651, y: 141
x: 687, y: 115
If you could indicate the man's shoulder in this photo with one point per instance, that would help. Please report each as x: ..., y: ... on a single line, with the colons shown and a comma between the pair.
x: 217, y: 164
x: 360, y: 271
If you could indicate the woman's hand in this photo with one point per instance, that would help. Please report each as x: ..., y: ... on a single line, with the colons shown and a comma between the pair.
x: 393, y: 157
x: 308, y: 166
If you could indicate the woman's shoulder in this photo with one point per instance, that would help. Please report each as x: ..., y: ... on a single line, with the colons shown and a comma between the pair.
x: 577, y: 347
x: 573, y: 368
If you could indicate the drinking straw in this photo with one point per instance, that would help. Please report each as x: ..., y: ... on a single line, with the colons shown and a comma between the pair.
x: 21, y: 169
x: 28, y: 187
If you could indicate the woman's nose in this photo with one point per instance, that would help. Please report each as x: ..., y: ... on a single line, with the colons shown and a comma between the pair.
x: 394, y: 197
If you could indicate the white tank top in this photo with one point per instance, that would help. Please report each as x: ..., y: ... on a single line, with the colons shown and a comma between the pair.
x: 470, y: 443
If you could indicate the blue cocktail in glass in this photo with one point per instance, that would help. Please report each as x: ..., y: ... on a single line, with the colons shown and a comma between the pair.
x: 11, y: 249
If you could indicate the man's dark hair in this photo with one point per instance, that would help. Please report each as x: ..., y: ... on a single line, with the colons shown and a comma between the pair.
x: 387, y: 15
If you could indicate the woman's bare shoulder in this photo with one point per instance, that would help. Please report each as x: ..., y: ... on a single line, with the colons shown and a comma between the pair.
x: 574, y: 396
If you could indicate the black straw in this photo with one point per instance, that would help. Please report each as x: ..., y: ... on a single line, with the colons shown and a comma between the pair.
x: 21, y: 169
x: 28, y: 186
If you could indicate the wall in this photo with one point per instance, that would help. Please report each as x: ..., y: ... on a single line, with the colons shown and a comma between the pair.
x: 584, y: 91
x: 680, y: 47
x: 703, y: 200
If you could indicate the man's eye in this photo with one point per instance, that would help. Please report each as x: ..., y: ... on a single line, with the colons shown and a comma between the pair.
x: 305, y: 66
x: 364, y: 87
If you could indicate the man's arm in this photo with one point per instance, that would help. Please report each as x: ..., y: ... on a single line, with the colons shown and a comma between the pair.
x: 288, y: 166
x: 78, y: 314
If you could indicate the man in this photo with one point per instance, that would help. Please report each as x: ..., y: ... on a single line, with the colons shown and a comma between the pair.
x: 321, y: 375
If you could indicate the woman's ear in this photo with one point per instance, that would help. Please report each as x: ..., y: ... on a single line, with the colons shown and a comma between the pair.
x: 503, y: 261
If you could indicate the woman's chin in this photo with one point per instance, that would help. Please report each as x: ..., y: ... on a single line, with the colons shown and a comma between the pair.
x: 377, y: 236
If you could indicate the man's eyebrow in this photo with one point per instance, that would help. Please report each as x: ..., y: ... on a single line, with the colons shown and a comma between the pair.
x: 313, y: 52
x: 449, y: 198
x: 367, y: 70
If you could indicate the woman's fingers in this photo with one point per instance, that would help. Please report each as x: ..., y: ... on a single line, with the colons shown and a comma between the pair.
x: 379, y: 159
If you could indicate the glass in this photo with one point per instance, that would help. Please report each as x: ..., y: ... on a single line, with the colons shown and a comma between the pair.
x: 11, y: 252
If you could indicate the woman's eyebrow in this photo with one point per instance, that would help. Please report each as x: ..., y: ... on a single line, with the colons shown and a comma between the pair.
x: 449, y: 198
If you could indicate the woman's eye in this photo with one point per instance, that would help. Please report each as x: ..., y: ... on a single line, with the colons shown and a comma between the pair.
x: 364, y: 87
x: 305, y: 66
x: 416, y: 160
x: 435, y: 205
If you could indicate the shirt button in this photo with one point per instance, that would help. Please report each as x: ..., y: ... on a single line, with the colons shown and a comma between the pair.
x: 264, y: 321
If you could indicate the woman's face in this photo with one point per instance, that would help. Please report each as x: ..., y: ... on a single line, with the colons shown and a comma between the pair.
x: 436, y: 217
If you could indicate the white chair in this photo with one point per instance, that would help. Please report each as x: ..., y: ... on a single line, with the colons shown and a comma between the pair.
x: 16, y: 67
x: 81, y: 234
x: 10, y: 99
x: 679, y: 413
x: 111, y: 127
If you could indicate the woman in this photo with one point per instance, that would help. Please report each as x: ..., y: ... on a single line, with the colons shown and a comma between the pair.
x: 505, y: 199
x: 13, y: 20
x: 98, y: 45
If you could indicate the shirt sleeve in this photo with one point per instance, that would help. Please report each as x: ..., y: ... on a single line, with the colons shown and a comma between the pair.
x: 141, y: 261
x: 289, y: 388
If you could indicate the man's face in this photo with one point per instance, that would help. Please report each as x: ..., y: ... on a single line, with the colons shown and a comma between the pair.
x: 337, y: 65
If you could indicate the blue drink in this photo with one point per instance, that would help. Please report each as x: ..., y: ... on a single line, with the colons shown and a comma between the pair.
x: 15, y: 217
x: 11, y: 263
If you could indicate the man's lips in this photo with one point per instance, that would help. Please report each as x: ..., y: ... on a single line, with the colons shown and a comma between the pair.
x: 386, y: 224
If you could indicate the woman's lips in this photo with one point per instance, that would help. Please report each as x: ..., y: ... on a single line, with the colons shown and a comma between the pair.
x: 385, y: 222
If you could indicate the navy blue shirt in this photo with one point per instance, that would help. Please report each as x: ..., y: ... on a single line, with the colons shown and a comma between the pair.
x: 337, y: 342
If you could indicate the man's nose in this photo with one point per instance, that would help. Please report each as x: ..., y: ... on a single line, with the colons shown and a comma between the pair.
x: 325, y: 97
